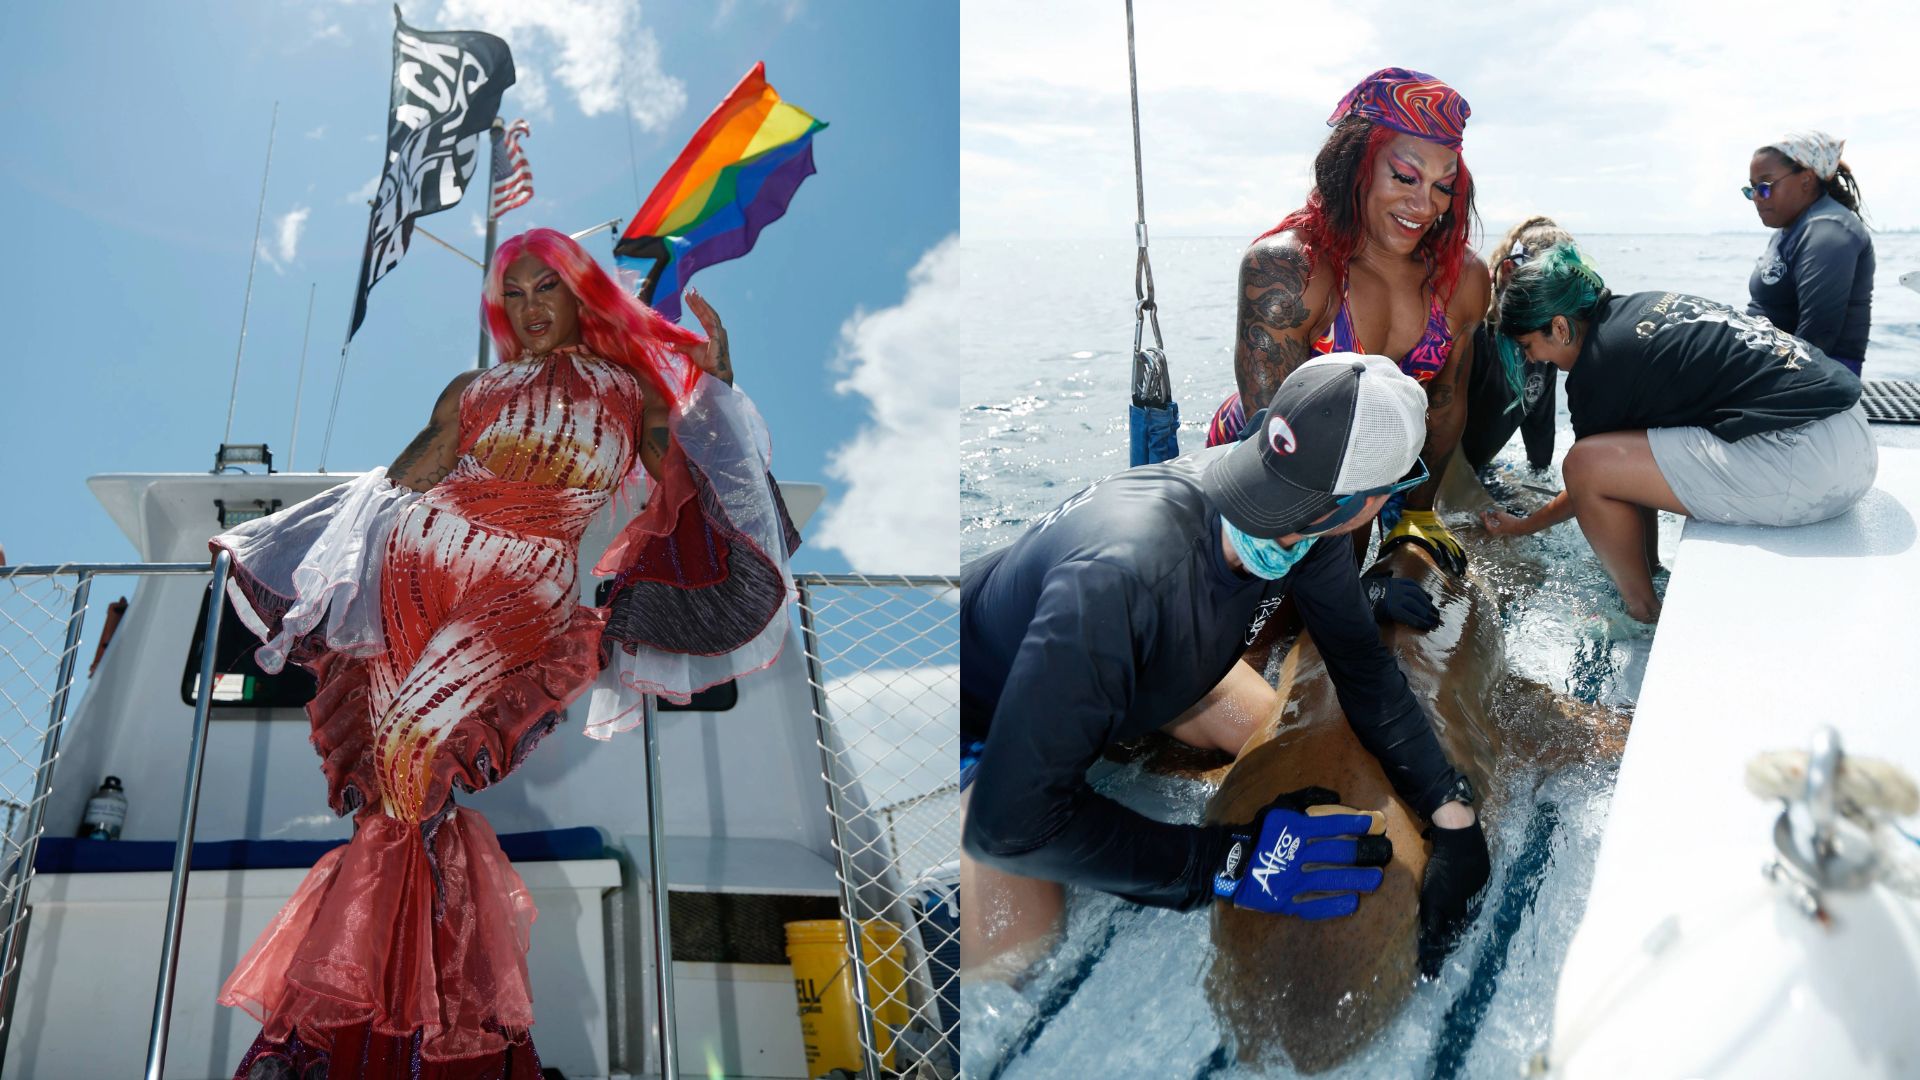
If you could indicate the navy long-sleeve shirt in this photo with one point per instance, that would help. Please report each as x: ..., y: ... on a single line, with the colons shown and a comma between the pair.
x: 1815, y: 280
x: 1110, y: 617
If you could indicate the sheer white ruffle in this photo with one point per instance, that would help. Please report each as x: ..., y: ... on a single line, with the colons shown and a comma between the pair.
x: 721, y: 432
x: 322, y: 558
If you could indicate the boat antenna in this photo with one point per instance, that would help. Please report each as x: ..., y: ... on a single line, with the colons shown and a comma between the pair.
x: 253, y: 257
x: 626, y: 115
x: 300, y: 384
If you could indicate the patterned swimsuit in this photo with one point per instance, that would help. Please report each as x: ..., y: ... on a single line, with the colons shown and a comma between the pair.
x: 1423, y: 361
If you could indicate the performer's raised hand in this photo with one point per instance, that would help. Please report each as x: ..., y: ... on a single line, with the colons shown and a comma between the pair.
x: 711, y: 355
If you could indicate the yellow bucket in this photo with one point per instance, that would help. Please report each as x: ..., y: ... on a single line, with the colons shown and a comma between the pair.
x: 829, y: 1015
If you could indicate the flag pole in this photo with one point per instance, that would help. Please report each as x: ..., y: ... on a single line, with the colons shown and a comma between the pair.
x: 493, y: 223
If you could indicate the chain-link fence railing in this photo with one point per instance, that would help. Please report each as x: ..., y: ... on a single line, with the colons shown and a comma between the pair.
x: 883, y: 655
x: 43, y: 615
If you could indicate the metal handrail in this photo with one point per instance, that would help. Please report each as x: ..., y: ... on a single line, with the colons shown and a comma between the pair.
x: 657, y: 866
x: 189, y: 815
x: 104, y: 569
x: 915, y: 581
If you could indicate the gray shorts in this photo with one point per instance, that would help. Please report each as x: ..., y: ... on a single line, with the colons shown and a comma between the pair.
x: 1791, y: 477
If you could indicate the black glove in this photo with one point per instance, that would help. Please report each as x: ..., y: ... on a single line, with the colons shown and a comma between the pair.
x: 1456, y: 872
x: 1401, y: 600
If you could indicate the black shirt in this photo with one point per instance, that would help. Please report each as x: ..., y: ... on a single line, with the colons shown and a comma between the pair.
x: 1111, y: 616
x: 1815, y: 280
x: 1669, y: 360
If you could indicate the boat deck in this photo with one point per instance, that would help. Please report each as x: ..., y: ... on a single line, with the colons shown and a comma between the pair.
x: 1766, y: 636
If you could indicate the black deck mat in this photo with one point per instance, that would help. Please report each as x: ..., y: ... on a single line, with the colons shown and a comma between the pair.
x: 1889, y: 402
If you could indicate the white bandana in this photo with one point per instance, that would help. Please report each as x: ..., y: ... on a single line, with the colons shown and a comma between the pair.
x: 1814, y: 150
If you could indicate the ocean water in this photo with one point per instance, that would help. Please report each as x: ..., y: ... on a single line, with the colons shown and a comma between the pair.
x: 1045, y: 393
x: 1045, y: 367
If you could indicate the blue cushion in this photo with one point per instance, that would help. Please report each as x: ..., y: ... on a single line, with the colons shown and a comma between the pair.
x: 67, y: 855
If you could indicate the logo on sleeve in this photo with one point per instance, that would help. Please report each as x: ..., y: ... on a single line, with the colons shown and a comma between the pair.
x: 1261, y: 615
x: 1280, y: 435
x: 1275, y: 860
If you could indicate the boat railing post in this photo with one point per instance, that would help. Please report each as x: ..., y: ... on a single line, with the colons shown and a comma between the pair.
x: 19, y: 876
x: 849, y: 896
x: 657, y: 870
x: 189, y: 812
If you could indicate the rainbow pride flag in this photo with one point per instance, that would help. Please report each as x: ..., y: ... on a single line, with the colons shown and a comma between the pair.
x: 736, y: 176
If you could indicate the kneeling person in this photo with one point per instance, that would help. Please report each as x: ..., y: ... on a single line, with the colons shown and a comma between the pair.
x: 1127, y: 609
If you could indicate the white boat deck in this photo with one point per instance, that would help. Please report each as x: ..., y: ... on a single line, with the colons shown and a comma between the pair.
x: 1767, y: 635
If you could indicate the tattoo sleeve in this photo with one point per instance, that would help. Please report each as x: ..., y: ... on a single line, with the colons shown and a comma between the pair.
x: 1273, y: 289
x: 403, y: 465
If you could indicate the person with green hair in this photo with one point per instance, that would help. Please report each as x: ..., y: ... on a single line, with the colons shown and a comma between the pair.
x: 1685, y: 405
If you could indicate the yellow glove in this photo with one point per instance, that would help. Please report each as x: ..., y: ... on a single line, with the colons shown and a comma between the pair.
x: 1423, y: 527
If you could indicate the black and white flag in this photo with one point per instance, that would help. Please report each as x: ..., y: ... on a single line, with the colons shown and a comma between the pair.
x: 446, y: 90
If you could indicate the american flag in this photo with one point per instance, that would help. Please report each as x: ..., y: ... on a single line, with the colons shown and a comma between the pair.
x: 512, y: 179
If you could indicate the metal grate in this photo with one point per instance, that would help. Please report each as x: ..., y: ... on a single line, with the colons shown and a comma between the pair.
x: 40, y: 620
x: 1888, y: 402
x: 883, y: 656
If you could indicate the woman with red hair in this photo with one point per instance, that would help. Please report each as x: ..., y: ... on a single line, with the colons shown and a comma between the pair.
x: 1377, y: 262
x: 435, y: 601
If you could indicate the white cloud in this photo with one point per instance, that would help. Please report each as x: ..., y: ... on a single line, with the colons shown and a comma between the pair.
x: 479, y: 224
x: 359, y: 198
x: 901, y: 511
x: 1567, y: 98
x: 318, y: 133
x: 290, y: 225
x: 280, y: 248
x: 786, y: 9
x: 598, y: 49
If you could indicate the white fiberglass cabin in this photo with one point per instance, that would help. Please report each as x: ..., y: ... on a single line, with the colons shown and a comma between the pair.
x: 750, y: 841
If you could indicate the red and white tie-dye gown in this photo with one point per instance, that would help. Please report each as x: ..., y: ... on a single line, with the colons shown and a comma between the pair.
x: 419, y: 925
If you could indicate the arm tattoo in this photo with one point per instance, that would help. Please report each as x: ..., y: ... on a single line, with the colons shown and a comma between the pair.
x: 658, y: 441
x: 417, y: 449
x: 722, y: 358
x: 1273, y: 287
x: 1263, y: 362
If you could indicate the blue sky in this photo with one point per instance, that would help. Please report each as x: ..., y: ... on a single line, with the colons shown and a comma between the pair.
x: 130, y: 173
x: 1630, y: 116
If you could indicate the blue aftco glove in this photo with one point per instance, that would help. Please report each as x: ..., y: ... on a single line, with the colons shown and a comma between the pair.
x: 1304, y: 854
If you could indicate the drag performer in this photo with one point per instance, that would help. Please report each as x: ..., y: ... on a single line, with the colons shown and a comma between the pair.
x: 436, y: 602
x: 1376, y: 262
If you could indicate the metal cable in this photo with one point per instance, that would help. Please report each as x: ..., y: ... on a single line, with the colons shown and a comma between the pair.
x: 253, y: 257
x: 1152, y: 385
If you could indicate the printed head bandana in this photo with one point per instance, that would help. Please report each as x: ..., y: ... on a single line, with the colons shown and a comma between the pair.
x: 1408, y: 101
x: 1814, y: 150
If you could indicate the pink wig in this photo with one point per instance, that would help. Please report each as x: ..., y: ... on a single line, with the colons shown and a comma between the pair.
x: 613, y: 325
